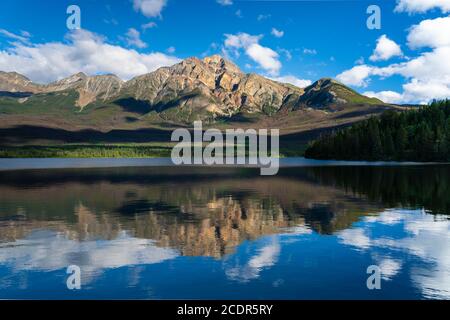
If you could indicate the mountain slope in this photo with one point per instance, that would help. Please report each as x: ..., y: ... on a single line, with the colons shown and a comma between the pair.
x: 211, y: 89
x: 330, y: 93
x: 212, y: 86
x: 14, y: 82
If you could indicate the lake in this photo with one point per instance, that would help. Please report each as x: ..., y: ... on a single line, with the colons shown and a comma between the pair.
x: 151, y: 232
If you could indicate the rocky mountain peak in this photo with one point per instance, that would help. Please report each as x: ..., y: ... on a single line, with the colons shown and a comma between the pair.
x: 66, y: 83
x: 15, y: 82
x: 219, y: 64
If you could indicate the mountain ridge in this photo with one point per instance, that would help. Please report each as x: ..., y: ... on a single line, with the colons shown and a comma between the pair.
x: 82, y: 108
x: 205, y: 88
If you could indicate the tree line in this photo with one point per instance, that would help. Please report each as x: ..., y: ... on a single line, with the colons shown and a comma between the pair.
x: 422, y: 134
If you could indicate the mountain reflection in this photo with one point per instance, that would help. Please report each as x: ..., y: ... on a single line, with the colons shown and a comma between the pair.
x: 199, y: 214
x: 206, y: 212
x: 103, y: 219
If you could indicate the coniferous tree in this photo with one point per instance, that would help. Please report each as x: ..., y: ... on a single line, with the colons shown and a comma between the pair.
x: 421, y: 134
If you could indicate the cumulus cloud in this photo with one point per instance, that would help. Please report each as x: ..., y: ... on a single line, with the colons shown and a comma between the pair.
x: 386, y: 96
x: 431, y: 33
x: 82, y: 51
x: 356, y: 76
x: 425, y: 236
x: 133, y: 38
x: 301, y: 83
x: 265, y: 57
x: 277, y: 33
x: 385, y: 49
x: 421, y: 6
x: 265, y: 258
x: 149, y: 8
x: 49, y: 251
x: 427, y: 75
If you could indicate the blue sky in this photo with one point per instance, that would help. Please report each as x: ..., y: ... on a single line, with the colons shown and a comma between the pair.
x: 293, y: 41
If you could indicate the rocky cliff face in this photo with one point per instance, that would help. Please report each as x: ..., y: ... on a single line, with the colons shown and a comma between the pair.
x: 90, y: 89
x: 213, y: 85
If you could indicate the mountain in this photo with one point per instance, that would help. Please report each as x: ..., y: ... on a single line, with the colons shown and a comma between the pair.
x: 211, y: 89
x: 16, y: 83
x: 330, y: 93
x: 194, y: 88
x: 89, y: 89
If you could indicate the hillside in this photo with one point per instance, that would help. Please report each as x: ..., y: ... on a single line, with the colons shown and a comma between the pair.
x: 415, y: 135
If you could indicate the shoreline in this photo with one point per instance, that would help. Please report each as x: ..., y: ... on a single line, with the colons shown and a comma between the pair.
x: 12, y: 164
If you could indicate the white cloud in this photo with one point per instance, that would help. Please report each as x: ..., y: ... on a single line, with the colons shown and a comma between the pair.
x: 241, y: 40
x: 149, y: 8
x: 225, y: 2
x: 133, y: 38
x: 356, y: 76
x: 427, y: 75
x: 83, y: 51
x: 277, y: 33
x: 24, y: 37
x: 431, y: 33
x: 425, y: 236
x: 265, y: 258
x: 301, y: 83
x: 238, y: 13
x: 425, y: 91
x: 149, y: 25
x: 385, y: 49
x: 421, y: 6
x: 355, y: 238
x: 49, y: 251
x: 386, y: 96
x: 171, y: 50
x: 266, y: 58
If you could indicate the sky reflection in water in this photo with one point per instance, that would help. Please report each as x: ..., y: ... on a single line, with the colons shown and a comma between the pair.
x: 174, y: 233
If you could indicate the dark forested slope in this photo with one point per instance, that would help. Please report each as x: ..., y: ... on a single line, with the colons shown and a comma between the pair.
x: 421, y: 134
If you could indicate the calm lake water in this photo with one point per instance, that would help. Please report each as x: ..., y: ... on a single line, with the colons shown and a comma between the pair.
x: 171, y: 232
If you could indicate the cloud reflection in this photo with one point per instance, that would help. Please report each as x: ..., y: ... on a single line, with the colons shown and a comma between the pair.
x: 50, y: 251
x: 422, y: 235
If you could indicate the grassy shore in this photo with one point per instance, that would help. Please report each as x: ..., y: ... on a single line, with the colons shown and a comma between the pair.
x: 155, y: 150
x: 87, y: 151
